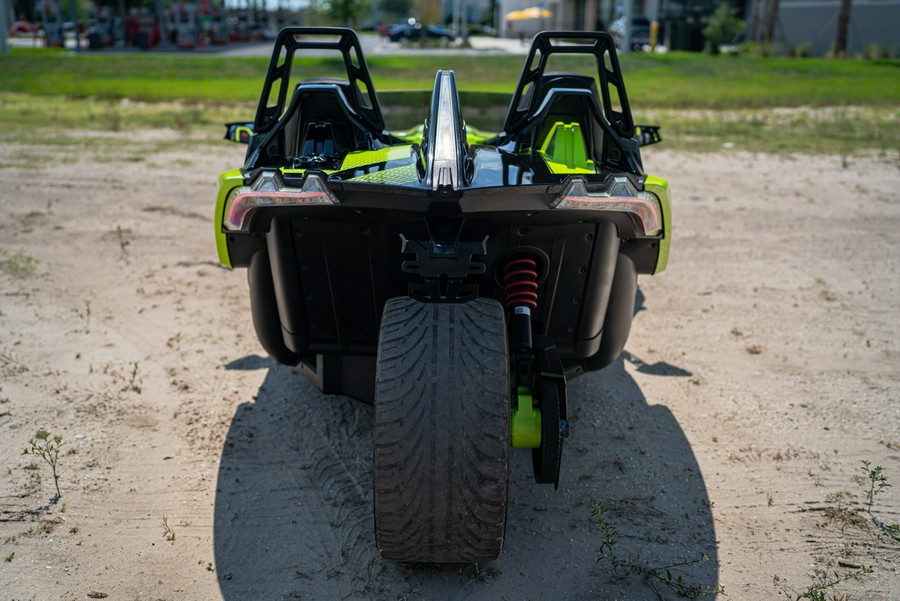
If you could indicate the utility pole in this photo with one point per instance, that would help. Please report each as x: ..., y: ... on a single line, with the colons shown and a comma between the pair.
x: 626, y: 43
x: 4, y: 29
x: 74, y: 10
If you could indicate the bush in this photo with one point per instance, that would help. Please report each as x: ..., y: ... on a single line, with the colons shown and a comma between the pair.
x: 722, y: 27
x: 802, y: 50
x: 763, y: 49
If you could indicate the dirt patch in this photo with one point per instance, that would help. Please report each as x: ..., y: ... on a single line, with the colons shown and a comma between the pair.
x: 760, y: 374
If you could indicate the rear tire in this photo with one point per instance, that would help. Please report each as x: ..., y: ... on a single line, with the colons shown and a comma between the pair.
x: 441, y: 456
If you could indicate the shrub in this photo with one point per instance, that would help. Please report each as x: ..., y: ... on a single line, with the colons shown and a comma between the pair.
x: 721, y: 28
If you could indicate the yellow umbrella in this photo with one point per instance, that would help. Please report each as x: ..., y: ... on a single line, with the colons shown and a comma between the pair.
x: 533, y: 12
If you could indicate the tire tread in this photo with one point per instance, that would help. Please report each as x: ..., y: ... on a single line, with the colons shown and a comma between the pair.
x: 441, y: 456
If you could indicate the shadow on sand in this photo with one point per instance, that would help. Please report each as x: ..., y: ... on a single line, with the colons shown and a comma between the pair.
x: 293, y: 516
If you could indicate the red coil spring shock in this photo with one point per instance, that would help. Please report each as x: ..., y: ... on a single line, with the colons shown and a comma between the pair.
x: 520, y: 283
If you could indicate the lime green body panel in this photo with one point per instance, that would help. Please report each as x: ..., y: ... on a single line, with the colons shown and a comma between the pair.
x: 476, y: 136
x: 524, y: 421
x: 361, y: 158
x: 396, y: 176
x: 564, y: 152
x: 411, y: 136
x: 416, y: 134
x: 660, y: 188
x: 228, y: 181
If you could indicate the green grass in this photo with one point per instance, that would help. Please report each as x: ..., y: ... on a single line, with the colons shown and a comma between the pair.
x: 675, y: 80
x: 824, y: 130
x: 702, y: 102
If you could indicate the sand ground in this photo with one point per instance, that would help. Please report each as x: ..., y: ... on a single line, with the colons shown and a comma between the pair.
x: 763, y: 369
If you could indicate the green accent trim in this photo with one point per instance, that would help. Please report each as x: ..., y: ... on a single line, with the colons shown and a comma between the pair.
x: 228, y: 181
x: 361, y: 158
x: 411, y: 136
x: 407, y: 174
x: 240, y: 129
x: 524, y: 421
x: 415, y: 135
x: 476, y: 136
x: 660, y: 187
x: 564, y: 151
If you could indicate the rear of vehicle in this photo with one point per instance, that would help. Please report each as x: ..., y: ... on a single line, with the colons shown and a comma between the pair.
x: 455, y: 279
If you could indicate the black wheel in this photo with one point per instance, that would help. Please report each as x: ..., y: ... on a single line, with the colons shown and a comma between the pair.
x: 546, y: 458
x: 441, y: 458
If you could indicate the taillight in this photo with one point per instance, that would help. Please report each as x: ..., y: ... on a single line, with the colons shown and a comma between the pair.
x: 619, y: 196
x: 270, y: 190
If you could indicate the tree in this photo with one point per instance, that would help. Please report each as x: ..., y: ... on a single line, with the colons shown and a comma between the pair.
x: 428, y: 11
x: 396, y: 8
x: 347, y: 12
x: 722, y: 26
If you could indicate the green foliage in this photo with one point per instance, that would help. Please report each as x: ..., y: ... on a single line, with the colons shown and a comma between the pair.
x: 399, y: 9
x: 345, y: 12
x: 877, y: 482
x: 132, y: 381
x: 721, y: 28
x: 18, y: 266
x: 823, y: 582
x: 762, y: 49
x: 46, y: 446
x: 427, y: 11
x: 667, y: 576
x: 802, y: 50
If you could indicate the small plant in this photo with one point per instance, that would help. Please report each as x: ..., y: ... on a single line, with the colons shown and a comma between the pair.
x: 9, y: 558
x: 123, y: 243
x: 47, y: 447
x: 802, y: 50
x: 840, y: 512
x: 19, y: 266
x: 168, y: 533
x: 665, y: 575
x: 824, y: 582
x: 482, y: 575
x: 610, y: 534
x: 135, y: 370
x: 877, y: 482
x: 85, y: 315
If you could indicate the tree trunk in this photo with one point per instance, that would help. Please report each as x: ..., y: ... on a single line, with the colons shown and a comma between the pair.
x: 772, y: 21
x: 840, y: 45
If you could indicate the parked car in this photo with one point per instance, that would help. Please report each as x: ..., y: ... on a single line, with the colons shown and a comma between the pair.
x: 417, y: 31
x: 21, y: 28
x: 640, y: 32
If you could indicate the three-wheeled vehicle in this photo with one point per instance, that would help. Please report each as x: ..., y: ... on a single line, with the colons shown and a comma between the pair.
x: 456, y: 279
